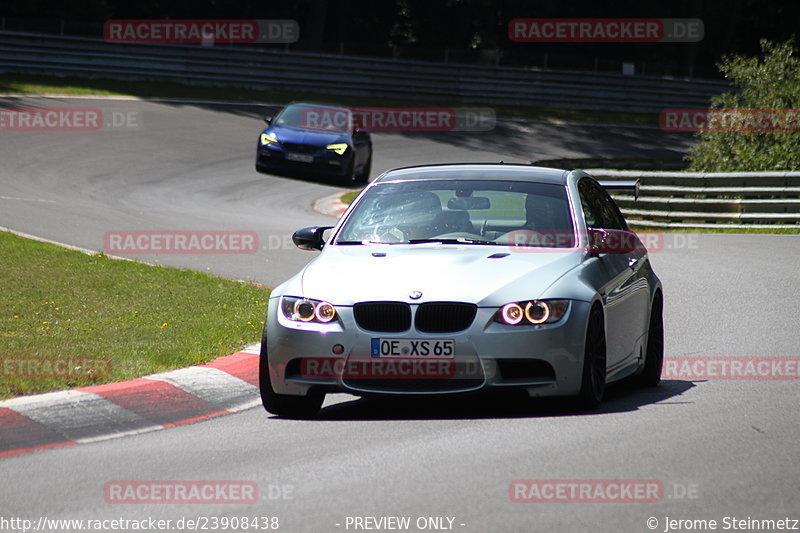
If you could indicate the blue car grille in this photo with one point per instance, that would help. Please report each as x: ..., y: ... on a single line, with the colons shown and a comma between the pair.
x: 300, y: 148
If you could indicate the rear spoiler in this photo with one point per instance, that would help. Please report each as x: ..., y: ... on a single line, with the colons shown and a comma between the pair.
x: 621, y: 185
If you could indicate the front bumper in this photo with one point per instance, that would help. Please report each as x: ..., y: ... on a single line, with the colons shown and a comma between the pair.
x: 274, y: 158
x: 545, y: 360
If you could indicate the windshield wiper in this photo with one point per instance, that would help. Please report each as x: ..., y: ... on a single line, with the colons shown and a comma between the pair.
x: 459, y: 240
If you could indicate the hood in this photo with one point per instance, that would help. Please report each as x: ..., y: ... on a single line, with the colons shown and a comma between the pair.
x: 311, y: 137
x: 485, y: 275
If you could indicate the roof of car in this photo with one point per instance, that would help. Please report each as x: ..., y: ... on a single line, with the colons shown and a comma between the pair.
x: 477, y: 171
x: 316, y: 104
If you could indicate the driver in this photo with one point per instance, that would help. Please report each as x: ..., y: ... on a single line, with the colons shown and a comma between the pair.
x: 407, y: 216
x: 549, y: 218
x: 419, y: 215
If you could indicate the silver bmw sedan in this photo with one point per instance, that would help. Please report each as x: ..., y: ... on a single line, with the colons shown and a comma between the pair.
x: 459, y: 278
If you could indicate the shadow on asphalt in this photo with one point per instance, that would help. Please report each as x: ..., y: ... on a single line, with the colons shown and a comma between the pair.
x: 311, y: 177
x: 620, y: 398
x: 518, y: 138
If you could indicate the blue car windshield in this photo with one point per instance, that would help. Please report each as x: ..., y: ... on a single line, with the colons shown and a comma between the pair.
x: 309, y: 116
x: 513, y: 213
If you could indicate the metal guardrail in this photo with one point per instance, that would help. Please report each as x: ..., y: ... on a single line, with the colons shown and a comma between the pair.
x: 350, y: 75
x: 705, y: 200
x: 620, y: 163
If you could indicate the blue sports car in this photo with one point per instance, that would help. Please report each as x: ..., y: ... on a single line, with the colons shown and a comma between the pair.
x: 315, y: 140
x: 462, y: 278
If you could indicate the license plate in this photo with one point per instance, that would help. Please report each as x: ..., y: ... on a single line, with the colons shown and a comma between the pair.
x: 422, y: 348
x: 303, y: 158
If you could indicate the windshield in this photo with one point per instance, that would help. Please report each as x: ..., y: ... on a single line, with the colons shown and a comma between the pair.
x: 309, y: 116
x: 462, y: 211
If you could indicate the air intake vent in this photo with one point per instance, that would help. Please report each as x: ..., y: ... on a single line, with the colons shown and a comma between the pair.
x: 385, y: 317
x: 444, y: 317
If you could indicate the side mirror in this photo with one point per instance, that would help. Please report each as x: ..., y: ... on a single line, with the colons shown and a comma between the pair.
x: 310, y: 238
x: 613, y: 241
x: 268, y: 120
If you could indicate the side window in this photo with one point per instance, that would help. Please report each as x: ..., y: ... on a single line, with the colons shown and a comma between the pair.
x: 598, y: 207
x: 612, y: 219
x: 591, y: 212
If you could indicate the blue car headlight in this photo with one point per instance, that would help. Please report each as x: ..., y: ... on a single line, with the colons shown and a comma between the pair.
x: 306, y: 310
x: 269, y: 138
x: 339, y: 148
x: 532, y: 312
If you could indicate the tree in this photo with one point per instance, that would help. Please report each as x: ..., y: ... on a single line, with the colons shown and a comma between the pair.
x: 771, y: 82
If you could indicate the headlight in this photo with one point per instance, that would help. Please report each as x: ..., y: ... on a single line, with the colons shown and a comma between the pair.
x: 305, y: 310
x: 339, y: 148
x: 511, y: 314
x: 532, y: 312
x: 269, y: 138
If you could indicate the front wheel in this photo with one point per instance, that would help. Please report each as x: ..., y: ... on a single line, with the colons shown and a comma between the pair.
x: 350, y: 177
x: 283, y: 404
x: 363, y: 176
x: 593, y: 375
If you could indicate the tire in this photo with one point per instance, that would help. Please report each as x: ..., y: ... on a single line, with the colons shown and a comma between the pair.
x: 593, y: 374
x: 363, y: 176
x: 284, y: 405
x: 350, y: 178
x: 654, y: 356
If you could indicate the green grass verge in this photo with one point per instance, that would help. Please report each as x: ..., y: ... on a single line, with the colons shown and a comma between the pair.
x: 143, y: 319
x: 19, y: 84
x: 348, y: 197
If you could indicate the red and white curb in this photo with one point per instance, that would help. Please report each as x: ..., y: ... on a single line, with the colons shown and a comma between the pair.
x: 331, y: 205
x: 89, y: 414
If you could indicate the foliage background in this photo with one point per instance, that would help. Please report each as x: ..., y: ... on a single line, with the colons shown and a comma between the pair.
x: 771, y: 81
